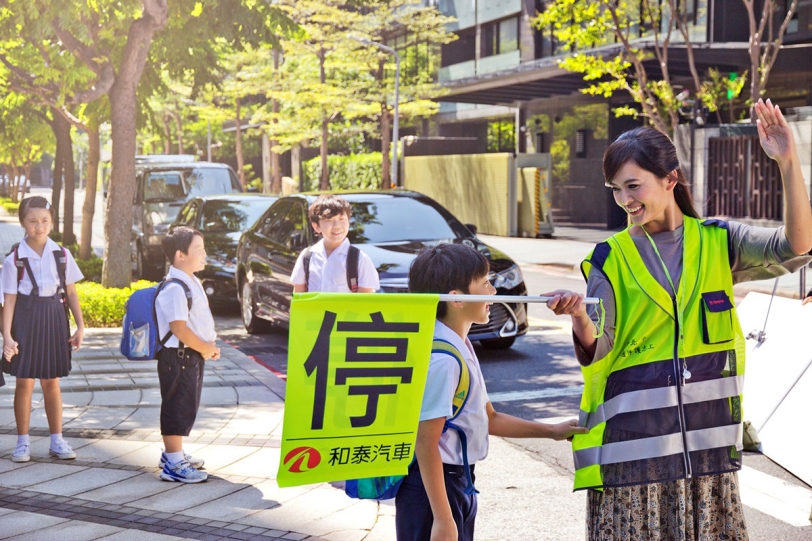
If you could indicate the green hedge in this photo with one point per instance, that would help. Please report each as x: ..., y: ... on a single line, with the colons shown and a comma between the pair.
x: 10, y: 206
x: 102, y: 306
x: 91, y: 268
x: 353, y: 172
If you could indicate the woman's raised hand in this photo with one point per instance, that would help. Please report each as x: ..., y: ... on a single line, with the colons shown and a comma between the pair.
x: 774, y: 132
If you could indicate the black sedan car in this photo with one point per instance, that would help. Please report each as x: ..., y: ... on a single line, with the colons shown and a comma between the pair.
x: 222, y: 219
x: 391, y: 227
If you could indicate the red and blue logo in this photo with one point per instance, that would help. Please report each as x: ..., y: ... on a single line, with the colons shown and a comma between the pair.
x: 302, y: 459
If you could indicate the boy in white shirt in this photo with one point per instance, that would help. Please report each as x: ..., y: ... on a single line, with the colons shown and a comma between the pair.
x: 437, y: 499
x: 324, y: 266
x: 181, y: 361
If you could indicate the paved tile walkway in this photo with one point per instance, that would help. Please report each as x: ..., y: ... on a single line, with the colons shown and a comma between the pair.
x: 112, y: 490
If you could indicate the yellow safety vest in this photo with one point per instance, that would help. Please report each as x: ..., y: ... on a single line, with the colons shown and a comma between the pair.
x: 648, y: 423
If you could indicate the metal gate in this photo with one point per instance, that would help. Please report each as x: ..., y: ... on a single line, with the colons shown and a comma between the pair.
x: 743, y: 182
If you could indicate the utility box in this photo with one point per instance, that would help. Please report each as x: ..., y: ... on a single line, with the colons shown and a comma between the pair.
x: 502, y: 194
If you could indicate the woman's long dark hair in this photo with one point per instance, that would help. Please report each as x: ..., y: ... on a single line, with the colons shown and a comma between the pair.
x: 654, y: 152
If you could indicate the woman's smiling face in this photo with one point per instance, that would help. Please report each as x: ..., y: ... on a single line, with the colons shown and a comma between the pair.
x: 644, y: 197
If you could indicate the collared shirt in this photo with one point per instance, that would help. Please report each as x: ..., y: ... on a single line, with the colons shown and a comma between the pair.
x: 441, y: 383
x: 43, y: 267
x: 171, y: 305
x: 329, y: 274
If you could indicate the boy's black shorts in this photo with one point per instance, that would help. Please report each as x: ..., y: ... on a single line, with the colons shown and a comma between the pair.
x: 181, y: 379
x: 413, y: 516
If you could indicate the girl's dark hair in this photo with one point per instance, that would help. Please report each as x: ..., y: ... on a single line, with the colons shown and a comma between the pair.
x: 653, y: 151
x: 444, y: 268
x: 179, y: 238
x: 35, y: 202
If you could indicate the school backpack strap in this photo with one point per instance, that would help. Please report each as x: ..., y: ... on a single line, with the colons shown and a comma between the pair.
x: 186, y: 291
x: 61, y: 258
x: 306, y: 255
x: 353, y: 258
x: 19, y: 264
x: 461, y: 394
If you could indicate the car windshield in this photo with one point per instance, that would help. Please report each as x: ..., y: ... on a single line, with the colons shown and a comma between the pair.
x: 164, y: 187
x: 210, y: 181
x: 395, y: 219
x: 232, y: 216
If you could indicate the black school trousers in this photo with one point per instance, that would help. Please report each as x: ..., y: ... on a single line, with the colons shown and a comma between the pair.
x: 181, y: 378
x: 413, y: 516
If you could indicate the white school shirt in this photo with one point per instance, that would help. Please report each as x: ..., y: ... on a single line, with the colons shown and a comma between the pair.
x: 171, y: 305
x: 44, y: 270
x: 329, y: 274
x: 441, y: 382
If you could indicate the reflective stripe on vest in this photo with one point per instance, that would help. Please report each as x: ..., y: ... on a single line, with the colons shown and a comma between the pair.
x: 671, y: 444
x: 647, y: 423
x: 662, y: 397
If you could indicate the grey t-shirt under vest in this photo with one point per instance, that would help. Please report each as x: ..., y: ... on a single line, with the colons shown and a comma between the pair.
x: 757, y: 253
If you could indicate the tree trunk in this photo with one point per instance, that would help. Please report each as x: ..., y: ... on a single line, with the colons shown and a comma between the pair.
x: 123, y: 107
x: 167, y: 135
x: 179, y: 126
x: 89, y: 208
x: 276, y: 171
x: 15, y: 187
x: 325, y: 130
x: 385, y: 139
x: 60, y: 127
x: 68, y: 237
x: 238, y: 134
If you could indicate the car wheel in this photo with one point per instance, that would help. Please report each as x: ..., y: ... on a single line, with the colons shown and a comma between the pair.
x: 498, y: 343
x: 252, y: 324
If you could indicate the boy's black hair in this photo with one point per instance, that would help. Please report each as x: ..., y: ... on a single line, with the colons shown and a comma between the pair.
x: 327, y: 206
x: 35, y: 202
x: 179, y: 238
x: 444, y: 268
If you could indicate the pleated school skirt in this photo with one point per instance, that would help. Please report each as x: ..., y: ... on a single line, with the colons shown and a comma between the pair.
x: 40, y: 328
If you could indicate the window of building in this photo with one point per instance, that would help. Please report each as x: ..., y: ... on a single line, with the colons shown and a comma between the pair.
x: 460, y: 50
x: 499, y: 37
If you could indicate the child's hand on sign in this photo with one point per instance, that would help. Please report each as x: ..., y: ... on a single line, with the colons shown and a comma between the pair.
x: 808, y: 298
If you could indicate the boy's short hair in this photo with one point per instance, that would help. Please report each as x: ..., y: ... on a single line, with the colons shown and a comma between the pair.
x: 328, y: 206
x: 179, y: 238
x: 444, y: 268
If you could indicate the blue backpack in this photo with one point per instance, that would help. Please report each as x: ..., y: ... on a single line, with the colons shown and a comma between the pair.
x: 386, y: 487
x: 139, y: 332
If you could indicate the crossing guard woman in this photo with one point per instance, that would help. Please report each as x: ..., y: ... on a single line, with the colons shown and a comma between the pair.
x: 663, y: 356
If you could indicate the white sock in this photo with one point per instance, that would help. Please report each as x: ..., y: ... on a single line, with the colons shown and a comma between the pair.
x: 174, y: 458
x: 56, y: 438
x: 23, y: 439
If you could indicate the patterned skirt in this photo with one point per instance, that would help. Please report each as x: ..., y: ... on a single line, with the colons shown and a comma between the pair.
x: 706, y: 508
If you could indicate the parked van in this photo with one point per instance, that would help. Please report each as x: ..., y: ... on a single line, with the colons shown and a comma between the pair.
x: 163, y: 184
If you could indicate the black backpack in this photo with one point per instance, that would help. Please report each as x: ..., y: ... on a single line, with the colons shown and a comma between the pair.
x: 353, y: 257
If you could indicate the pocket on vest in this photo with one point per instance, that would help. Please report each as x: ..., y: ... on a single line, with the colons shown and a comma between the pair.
x: 717, y: 317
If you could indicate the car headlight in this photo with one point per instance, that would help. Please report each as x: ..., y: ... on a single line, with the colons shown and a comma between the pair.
x: 508, y: 278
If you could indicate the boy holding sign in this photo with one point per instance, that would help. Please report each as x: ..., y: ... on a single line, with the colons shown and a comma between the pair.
x: 437, y: 500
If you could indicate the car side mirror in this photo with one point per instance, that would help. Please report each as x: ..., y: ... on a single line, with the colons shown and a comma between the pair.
x: 472, y: 228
